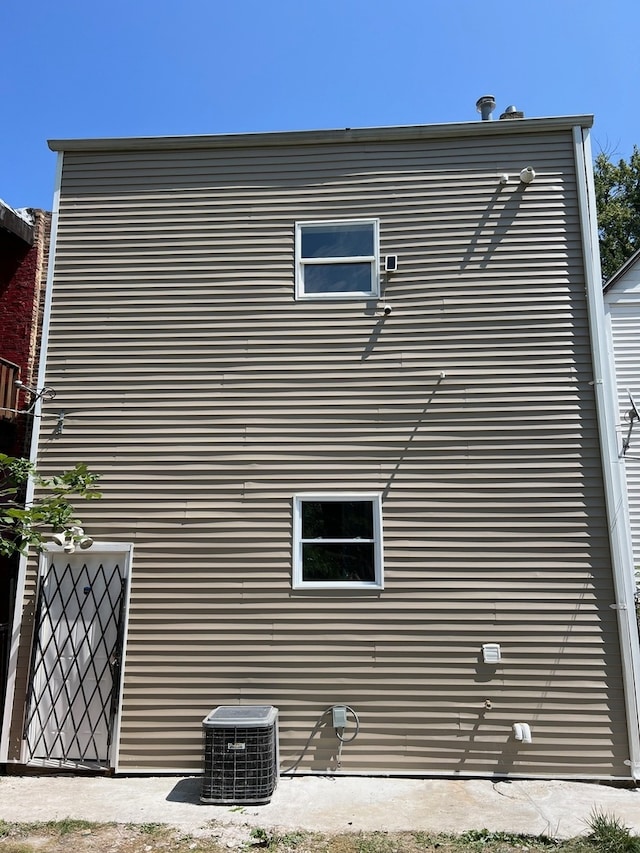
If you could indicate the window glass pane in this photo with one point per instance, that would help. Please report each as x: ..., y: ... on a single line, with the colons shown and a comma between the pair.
x: 338, y: 561
x: 337, y: 278
x: 337, y: 520
x: 337, y: 241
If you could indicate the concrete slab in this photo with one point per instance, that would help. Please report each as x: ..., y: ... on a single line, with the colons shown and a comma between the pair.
x: 325, y: 804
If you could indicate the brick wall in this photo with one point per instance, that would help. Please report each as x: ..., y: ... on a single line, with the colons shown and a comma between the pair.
x: 22, y: 282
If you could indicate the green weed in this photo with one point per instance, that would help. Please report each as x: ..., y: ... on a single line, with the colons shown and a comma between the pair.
x: 150, y: 828
x: 260, y: 836
x: 292, y: 839
x: 514, y: 839
x: 68, y: 825
x: 610, y: 835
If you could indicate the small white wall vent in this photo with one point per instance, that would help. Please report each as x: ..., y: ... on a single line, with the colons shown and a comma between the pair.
x: 491, y: 653
x: 390, y: 263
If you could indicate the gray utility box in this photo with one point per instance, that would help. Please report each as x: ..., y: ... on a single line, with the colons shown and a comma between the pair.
x: 240, y: 754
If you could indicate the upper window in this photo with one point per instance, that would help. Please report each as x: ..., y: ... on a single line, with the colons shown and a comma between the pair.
x: 337, y: 541
x: 337, y: 260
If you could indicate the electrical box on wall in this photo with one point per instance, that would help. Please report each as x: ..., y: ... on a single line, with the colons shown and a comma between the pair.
x: 339, y: 713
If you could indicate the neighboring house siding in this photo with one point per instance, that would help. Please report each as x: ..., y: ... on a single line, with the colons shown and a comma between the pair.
x: 623, y: 305
x: 208, y: 397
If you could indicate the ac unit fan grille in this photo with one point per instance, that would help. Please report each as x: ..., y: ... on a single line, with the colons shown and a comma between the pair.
x: 240, y: 764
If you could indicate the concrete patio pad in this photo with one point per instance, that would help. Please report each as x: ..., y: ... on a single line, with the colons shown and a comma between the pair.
x: 325, y: 804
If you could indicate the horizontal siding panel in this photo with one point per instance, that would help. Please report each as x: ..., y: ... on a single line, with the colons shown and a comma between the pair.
x: 623, y: 303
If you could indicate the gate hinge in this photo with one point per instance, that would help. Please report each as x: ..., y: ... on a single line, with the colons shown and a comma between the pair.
x: 618, y: 606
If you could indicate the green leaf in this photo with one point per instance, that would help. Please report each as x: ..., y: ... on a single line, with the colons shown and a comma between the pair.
x: 617, y: 188
x: 26, y: 526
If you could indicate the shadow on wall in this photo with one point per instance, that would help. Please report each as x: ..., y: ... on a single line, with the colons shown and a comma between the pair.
x: 494, y: 230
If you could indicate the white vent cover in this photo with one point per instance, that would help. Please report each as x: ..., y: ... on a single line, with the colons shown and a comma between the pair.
x: 491, y: 653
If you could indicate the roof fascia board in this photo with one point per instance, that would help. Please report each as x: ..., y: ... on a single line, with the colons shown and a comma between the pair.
x: 622, y: 270
x: 320, y: 137
x: 15, y: 224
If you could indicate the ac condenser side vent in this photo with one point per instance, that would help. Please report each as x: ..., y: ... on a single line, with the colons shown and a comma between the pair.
x: 240, y: 754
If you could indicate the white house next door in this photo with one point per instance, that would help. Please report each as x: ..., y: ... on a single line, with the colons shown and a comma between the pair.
x: 76, y: 661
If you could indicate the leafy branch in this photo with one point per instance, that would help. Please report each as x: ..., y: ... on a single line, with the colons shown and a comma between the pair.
x: 617, y: 188
x: 52, y: 511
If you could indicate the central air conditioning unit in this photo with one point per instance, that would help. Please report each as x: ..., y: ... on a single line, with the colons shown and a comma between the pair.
x: 240, y: 754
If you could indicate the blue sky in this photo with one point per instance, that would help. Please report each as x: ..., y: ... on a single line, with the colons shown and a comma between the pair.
x: 87, y: 68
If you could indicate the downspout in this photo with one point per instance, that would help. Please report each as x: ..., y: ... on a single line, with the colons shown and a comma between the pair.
x: 35, y: 436
x: 612, y: 467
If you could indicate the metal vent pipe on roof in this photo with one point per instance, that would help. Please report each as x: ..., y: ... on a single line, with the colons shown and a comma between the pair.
x: 511, y: 112
x: 485, y: 106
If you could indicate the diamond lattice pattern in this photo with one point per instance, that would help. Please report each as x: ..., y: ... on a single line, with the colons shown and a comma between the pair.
x: 76, y: 662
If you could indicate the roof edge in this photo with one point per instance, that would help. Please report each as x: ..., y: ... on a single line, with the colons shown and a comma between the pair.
x: 631, y: 260
x: 16, y: 223
x: 319, y: 137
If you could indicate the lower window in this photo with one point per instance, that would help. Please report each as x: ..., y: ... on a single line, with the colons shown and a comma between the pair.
x: 337, y: 541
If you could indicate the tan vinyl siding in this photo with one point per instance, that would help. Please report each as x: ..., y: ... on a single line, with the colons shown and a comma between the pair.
x: 208, y: 397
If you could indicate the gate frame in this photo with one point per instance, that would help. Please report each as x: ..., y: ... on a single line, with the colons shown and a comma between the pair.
x: 96, y: 550
x: 99, y: 547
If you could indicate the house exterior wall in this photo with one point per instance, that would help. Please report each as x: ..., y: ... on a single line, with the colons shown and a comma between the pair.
x: 622, y: 301
x: 207, y: 397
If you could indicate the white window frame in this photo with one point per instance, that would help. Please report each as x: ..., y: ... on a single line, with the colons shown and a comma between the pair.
x: 375, y: 498
x: 374, y: 260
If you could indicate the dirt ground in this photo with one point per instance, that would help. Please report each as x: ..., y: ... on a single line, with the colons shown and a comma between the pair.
x: 82, y: 837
